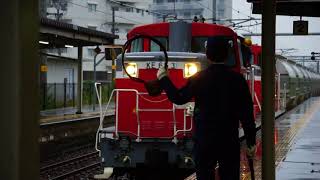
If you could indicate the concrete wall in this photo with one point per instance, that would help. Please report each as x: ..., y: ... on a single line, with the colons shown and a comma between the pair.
x: 58, y: 69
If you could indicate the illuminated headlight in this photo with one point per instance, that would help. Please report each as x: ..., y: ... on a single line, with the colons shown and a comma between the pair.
x: 132, y: 69
x: 190, y: 69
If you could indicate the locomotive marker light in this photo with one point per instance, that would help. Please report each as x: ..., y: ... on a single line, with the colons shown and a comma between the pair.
x: 153, y: 87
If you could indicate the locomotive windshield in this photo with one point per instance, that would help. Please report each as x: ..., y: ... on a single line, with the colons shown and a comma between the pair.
x: 155, y: 47
x: 198, y: 46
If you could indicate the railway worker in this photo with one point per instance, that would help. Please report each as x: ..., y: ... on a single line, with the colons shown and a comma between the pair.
x: 222, y: 98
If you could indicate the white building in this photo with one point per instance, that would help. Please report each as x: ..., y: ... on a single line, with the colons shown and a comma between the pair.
x: 97, y: 15
x: 187, y: 9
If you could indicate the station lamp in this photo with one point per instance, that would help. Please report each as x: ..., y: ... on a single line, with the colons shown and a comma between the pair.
x: 97, y: 50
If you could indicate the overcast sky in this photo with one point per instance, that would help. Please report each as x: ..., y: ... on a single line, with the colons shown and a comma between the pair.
x: 304, y: 44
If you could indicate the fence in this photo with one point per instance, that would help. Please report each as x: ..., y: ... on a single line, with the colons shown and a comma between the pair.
x: 59, y: 95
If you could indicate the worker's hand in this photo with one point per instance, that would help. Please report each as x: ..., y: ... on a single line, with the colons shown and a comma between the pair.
x: 251, y: 151
x: 162, y: 72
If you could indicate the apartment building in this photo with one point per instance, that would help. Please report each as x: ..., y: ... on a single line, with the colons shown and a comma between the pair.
x: 211, y: 10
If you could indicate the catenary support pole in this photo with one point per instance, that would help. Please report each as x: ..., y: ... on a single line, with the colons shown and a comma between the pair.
x: 80, y: 81
x: 268, y: 80
x: 19, y: 112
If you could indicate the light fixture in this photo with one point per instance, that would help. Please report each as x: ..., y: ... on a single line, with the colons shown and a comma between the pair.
x: 43, y: 42
x: 68, y: 46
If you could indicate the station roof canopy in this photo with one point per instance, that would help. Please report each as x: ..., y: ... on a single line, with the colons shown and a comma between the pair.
x: 56, y: 34
x: 291, y: 7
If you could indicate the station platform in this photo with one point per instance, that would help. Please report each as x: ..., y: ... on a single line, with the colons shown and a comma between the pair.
x: 297, y: 144
x: 70, y: 113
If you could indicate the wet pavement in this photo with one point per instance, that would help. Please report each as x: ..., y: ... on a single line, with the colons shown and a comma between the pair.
x: 297, y: 145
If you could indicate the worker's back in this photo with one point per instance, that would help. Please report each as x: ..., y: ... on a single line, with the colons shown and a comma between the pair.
x: 219, y: 96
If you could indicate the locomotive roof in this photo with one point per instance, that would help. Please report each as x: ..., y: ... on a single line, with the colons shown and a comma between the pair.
x: 198, y: 29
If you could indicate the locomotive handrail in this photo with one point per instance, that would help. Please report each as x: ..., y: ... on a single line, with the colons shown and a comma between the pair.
x: 116, y: 132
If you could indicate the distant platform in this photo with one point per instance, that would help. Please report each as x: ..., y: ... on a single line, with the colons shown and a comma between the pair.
x: 70, y: 114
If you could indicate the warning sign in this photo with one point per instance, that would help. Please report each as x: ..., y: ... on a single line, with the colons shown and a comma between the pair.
x: 300, y: 27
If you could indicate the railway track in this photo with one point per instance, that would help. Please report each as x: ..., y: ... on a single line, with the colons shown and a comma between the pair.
x: 83, y: 165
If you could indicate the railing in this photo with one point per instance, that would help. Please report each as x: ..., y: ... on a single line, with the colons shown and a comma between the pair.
x: 116, y: 92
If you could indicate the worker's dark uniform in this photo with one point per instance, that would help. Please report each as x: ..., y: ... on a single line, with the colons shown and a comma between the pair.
x: 222, y: 98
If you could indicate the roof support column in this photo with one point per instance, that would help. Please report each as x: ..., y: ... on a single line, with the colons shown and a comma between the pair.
x: 268, y: 88
x: 80, y: 81
x: 19, y: 112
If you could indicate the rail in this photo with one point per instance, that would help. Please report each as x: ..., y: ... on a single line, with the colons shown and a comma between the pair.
x: 70, y: 167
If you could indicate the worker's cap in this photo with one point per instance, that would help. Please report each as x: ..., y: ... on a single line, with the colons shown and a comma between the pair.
x: 217, y: 47
x: 218, y: 41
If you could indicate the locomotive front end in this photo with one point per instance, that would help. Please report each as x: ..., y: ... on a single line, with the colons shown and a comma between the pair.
x: 150, y: 131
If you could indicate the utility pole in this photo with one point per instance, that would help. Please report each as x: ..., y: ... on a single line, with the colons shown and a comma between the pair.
x: 214, y: 8
x: 113, y: 21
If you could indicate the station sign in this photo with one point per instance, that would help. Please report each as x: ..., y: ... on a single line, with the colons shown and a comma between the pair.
x: 300, y: 27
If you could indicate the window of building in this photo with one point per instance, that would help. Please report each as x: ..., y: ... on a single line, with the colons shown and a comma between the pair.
x: 159, y: 1
x: 92, y: 27
x: 92, y: 7
x: 116, y: 8
x: 129, y: 9
x: 138, y: 10
x: 170, y: 1
x: 91, y: 52
x: 221, y: 13
x: 186, y: 14
x: 198, y: 13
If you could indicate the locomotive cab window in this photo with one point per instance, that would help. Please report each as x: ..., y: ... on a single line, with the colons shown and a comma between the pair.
x: 198, y: 44
x: 137, y: 45
x: 231, y: 60
x: 247, y: 57
x: 155, y: 47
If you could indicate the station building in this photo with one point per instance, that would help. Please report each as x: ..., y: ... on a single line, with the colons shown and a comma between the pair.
x: 95, y: 15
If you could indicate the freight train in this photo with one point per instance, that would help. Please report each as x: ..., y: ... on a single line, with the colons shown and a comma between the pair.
x: 150, y: 131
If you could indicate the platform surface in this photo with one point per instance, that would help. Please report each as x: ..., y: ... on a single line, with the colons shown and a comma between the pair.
x: 303, y: 158
x: 70, y: 113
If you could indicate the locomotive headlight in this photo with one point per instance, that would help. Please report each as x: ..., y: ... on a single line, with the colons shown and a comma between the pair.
x: 132, y: 69
x: 190, y: 69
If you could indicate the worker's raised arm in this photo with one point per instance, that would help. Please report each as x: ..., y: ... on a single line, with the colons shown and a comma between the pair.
x: 177, y: 96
